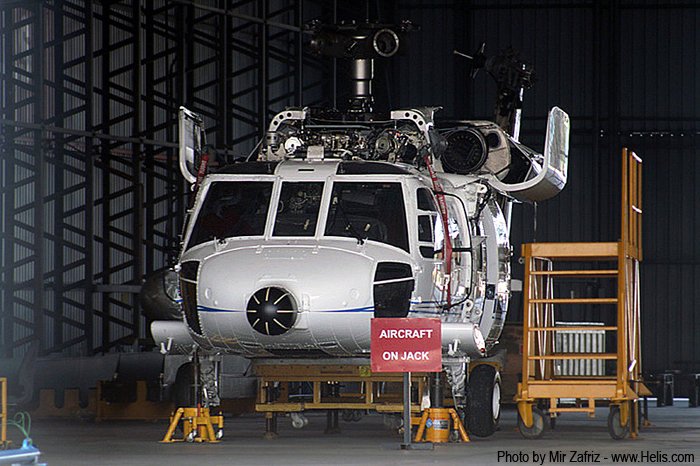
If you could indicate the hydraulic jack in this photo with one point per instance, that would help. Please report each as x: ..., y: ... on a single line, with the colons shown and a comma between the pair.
x: 197, y: 426
x: 435, y: 421
x: 197, y: 422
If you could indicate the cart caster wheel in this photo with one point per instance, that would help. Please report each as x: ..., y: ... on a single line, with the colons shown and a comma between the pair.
x: 616, y: 430
x: 392, y: 422
x: 190, y: 437
x: 537, y: 429
x: 356, y: 415
x: 299, y: 421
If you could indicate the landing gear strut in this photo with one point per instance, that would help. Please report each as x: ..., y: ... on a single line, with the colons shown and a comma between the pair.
x: 197, y: 420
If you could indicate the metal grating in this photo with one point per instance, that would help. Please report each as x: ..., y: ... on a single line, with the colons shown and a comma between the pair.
x: 579, y: 341
x: 92, y: 200
x: 621, y: 85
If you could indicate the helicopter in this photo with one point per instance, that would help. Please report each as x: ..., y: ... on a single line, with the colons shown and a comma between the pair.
x: 343, y: 216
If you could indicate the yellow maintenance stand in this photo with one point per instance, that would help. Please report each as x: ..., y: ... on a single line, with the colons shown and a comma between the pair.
x: 542, y: 380
x: 325, y: 377
x: 434, y: 424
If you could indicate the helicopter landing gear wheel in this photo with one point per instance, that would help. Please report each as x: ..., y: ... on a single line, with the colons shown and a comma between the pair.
x: 484, y: 405
x: 615, y: 428
x: 536, y: 430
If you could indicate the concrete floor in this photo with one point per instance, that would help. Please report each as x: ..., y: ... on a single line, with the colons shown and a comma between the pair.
x: 675, y: 430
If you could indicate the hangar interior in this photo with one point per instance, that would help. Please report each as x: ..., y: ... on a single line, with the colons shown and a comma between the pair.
x: 93, y: 201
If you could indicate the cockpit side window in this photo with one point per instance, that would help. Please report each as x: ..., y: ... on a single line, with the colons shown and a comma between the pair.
x: 428, y: 222
x: 297, y: 210
x: 368, y: 211
x: 231, y: 209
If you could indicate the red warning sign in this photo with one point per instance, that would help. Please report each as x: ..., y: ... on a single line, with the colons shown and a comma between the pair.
x: 406, y: 345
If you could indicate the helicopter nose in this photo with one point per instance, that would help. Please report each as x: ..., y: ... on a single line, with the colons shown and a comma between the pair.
x: 271, y: 311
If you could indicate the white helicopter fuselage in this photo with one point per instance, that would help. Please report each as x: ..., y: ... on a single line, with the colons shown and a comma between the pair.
x: 292, y: 255
x: 294, y: 258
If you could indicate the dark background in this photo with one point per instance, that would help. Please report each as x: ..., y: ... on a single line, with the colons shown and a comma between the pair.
x: 92, y: 200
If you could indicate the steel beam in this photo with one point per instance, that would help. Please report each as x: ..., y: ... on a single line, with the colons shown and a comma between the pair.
x: 92, y: 198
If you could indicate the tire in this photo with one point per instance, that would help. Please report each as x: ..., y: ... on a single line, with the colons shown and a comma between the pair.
x: 484, y: 400
x: 537, y: 429
x: 617, y: 431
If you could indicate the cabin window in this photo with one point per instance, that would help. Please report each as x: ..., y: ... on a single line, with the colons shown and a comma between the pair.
x: 456, y: 222
x: 425, y: 200
x: 297, y: 209
x: 425, y: 228
x: 231, y: 209
x: 368, y: 211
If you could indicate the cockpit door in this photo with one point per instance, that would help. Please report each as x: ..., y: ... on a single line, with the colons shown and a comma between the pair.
x: 461, y: 250
x: 429, y: 291
x: 431, y: 247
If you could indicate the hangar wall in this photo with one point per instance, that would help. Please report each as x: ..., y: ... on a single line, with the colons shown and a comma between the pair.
x: 92, y: 202
x: 92, y: 199
x: 625, y: 71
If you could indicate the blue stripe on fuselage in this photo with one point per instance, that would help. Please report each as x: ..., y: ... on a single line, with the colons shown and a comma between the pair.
x: 359, y: 309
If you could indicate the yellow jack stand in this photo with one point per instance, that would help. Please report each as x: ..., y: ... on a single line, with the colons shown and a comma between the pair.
x: 438, y: 429
x: 197, y: 426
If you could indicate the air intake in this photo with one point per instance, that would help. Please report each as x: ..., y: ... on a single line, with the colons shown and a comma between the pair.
x: 466, y: 151
x: 271, y: 311
x: 188, y: 291
x: 393, y: 286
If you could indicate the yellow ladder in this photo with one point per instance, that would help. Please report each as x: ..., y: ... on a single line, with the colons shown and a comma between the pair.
x: 542, y: 268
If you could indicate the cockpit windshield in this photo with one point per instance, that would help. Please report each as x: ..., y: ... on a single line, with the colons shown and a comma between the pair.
x: 232, y: 209
x: 297, y: 209
x: 362, y: 210
x: 373, y: 211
